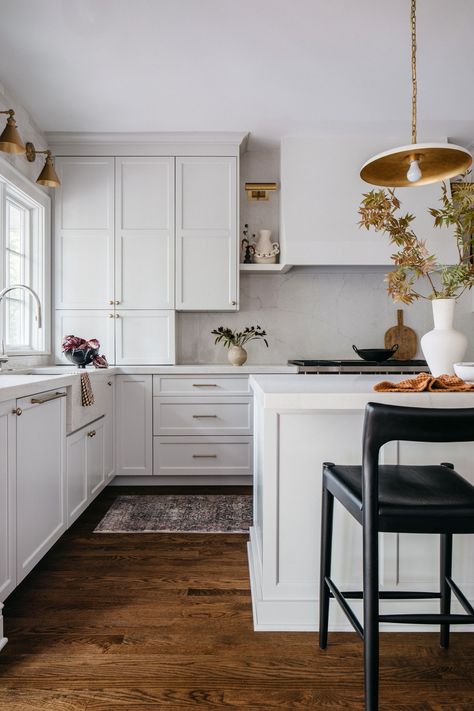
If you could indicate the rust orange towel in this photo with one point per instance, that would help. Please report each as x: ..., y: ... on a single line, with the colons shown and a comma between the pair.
x: 425, y: 381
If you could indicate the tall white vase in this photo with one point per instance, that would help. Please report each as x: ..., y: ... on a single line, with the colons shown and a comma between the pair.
x: 443, y: 346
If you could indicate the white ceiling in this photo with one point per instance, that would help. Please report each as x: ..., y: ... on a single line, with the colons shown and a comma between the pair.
x: 270, y: 67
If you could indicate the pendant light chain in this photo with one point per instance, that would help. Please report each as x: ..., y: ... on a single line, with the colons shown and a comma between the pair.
x: 413, y: 71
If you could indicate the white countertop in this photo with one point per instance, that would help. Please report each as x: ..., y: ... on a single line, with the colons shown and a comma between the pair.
x: 17, y: 384
x: 337, y: 392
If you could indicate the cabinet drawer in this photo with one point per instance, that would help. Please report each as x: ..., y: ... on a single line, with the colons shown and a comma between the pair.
x: 202, y: 456
x: 200, y: 385
x: 202, y: 416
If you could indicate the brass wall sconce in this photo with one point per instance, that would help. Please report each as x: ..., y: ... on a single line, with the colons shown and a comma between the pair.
x: 10, y: 141
x: 259, y: 191
x: 48, y: 175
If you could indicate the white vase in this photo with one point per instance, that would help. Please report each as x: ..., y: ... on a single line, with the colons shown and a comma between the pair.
x: 443, y: 346
x: 237, y: 355
x: 265, y: 250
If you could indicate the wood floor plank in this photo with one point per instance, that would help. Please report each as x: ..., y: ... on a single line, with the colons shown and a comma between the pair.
x: 140, y: 622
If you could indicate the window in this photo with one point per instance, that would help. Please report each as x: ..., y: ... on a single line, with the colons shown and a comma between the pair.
x: 24, y: 244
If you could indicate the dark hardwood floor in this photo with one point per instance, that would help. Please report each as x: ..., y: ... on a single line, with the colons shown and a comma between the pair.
x: 141, y: 622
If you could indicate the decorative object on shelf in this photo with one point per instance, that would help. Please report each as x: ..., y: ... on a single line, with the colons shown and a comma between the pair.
x: 10, y: 141
x: 418, y: 163
x: 236, y: 340
x: 48, y: 175
x: 259, y: 191
x: 82, y: 352
x: 443, y: 346
x: 376, y: 355
x: 405, y: 338
x: 266, y: 251
x: 248, y: 250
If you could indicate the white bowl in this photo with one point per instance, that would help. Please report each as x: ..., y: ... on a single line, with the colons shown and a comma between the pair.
x: 465, y: 371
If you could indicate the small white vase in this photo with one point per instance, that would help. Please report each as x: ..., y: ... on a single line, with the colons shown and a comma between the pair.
x: 266, y: 251
x: 237, y: 355
x: 443, y: 346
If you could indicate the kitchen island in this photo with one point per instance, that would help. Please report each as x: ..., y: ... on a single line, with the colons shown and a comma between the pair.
x: 300, y: 421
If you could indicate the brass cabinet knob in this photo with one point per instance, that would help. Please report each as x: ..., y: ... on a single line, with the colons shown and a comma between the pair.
x: 18, y: 411
x: 111, y: 302
x: 109, y: 383
x: 117, y: 303
x: 117, y: 315
x: 111, y: 315
x: 91, y: 433
x: 234, y: 303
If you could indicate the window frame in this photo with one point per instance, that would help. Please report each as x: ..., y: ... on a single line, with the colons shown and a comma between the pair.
x: 20, y: 189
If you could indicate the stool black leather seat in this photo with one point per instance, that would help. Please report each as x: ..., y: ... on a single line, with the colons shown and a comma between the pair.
x: 405, y: 499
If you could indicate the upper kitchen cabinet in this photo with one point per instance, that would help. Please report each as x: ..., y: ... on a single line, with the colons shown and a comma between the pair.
x: 320, y: 196
x: 84, y: 233
x: 144, y: 234
x: 206, y: 234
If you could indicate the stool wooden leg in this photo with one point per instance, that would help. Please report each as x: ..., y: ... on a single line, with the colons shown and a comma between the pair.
x: 326, y: 546
x: 371, y: 618
x: 445, y: 566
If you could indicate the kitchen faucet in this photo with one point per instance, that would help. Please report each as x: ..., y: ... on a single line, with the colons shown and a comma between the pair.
x: 3, y: 355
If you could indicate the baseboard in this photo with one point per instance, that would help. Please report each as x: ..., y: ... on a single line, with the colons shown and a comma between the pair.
x: 182, y: 481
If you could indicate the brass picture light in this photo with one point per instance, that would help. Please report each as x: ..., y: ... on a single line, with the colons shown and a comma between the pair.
x: 48, y: 175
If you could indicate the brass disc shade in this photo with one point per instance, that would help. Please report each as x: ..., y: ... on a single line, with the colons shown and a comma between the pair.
x: 48, y: 175
x: 10, y: 141
x: 437, y: 161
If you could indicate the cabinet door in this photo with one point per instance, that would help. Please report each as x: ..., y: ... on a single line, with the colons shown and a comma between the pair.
x: 321, y: 192
x: 145, y: 337
x: 133, y: 432
x: 206, y: 234
x: 95, y: 457
x: 144, y: 241
x: 109, y: 431
x: 77, y: 497
x: 41, y: 480
x: 84, y: 233
x: 88, y: 324
x: 7, y: 500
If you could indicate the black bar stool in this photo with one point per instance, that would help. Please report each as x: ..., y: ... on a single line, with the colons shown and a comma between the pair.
x: 402, y: 499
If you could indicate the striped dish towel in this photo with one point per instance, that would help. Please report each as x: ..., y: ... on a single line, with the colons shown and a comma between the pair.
x: 87, y: 394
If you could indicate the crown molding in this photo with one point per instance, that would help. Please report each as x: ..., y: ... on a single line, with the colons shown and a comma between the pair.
x: 135, y: 144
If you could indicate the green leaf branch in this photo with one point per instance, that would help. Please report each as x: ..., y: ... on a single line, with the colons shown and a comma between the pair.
x: 239, y: 338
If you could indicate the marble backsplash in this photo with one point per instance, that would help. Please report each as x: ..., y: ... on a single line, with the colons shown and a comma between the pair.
x: 311, y: 313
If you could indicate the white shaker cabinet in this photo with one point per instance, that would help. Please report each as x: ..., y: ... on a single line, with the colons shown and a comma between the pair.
x: 41, y: 480
x: 77, y: 495
x: 88, y: 324
x: 144, y: 337
x: 84, y: 233
x: 109, y: 431
x: 321, y: 192
x: 133, y: 427
x: 7, y: 501
x: 144, y: 233
x: 206, y: 234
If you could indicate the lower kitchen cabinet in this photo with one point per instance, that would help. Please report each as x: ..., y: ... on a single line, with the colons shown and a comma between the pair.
x: 109, y: 431
x: 133, y: 427
x: 85, y: 466
x: 202, y: 456
x: 7, y: 501
x: 41, y: 481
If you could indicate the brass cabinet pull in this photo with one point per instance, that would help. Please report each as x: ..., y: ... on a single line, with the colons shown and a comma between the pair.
x: 204, y: 456
x: 205, y: 385
x: 46, y: 398
x: 204, y: 417
x: 17, y: 412
x: 91, y: 433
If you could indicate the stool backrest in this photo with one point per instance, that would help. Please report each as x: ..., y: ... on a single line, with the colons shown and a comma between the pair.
x: 386, y: 423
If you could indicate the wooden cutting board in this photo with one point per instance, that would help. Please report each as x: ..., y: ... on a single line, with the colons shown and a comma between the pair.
x: 404, y: 336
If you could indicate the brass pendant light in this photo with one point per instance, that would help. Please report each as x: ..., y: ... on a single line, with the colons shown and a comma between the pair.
x: 10, y: 141
x: 417, y: 163
x: 48, y: 175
